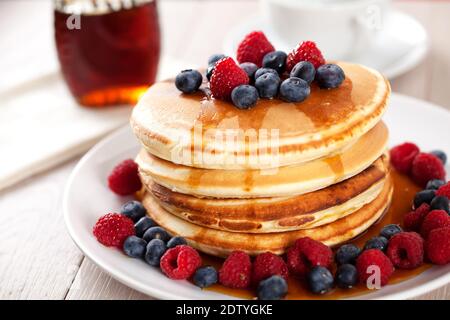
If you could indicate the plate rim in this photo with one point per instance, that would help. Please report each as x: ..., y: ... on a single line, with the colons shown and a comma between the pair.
x: 159, y: 293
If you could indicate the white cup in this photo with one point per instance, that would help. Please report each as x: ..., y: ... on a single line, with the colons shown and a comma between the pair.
x: 341, y: 28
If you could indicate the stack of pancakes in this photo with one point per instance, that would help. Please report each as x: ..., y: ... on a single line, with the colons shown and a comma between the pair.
x: 256, y: 180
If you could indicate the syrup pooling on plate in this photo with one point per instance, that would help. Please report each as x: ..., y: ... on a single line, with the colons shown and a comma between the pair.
x: 404, y: 191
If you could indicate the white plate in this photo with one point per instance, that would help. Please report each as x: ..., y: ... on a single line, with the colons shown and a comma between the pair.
x: 87, y: 197
x: 396, y: 49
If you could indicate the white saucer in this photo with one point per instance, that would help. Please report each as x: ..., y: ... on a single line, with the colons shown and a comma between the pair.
x: 87, y: 197
x: 398, y: 48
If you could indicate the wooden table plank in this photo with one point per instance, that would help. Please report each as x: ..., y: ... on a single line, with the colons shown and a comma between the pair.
x: 439, y: 294
x: 38, y: 260
x: 92, y: 283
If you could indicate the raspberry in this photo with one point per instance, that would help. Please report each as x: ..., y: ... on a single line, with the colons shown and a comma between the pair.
x: 434, y: 220
x: 413, y: 220
x: 226, y: 76
x: 426, y: 167
x: 444, y: 190
x: 180, y: 262
x: 305, y: 51
x: 236, y: 270
x: 112, y: 229
x: 374, y: 257
x: 253, y: 48
x: 124, y: 179
x: 266, y: 265
x: 405, y: 250
x: 437, y: 246
x: 307, y: 253
x: 402, y: 156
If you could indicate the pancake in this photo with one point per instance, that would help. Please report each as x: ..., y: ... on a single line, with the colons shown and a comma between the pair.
x: 199, y: 131
x: 280, y: 182
x: 221, y: 243
x: 277, y: 214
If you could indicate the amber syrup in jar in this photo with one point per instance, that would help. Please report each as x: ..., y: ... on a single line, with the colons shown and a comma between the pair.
x: 108, y: 49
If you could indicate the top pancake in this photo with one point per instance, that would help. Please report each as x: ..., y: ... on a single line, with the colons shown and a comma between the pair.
x: 200, y: 131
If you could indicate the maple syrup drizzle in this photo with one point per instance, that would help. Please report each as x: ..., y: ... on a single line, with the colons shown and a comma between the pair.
x: 336, y: 165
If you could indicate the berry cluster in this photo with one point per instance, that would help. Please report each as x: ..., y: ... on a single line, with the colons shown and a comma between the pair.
x: 264, y: 73
x: 268, y: 273
x: 422, y: 167
x: 430, y: 216
x: 140, y: 237
x: 313, y: 262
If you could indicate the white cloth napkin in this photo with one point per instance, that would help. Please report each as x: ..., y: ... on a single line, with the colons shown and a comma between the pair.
x: 41, y: 125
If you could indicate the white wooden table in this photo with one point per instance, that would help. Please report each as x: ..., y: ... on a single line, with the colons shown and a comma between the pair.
x: 38, y: 260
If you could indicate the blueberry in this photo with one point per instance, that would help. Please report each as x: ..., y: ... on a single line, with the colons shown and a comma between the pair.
x: 440, y: 203
x: 250, y: 69
x: 214, y: 58
x: 156, y: 233
x: 142, y: 225
x: 262, y: 71
x: 389, y: 230
x: 346, y: 276
x: 304, y: 70
x: 154, y: 251
x: 209, y: 72
x: 176, y: 241
x: 434, y: 184
x: 424, y: 196
x: 379, y: 243
x: 441, y: 155
x: 273, y: 288
x: 294, y: 90
x: 320, y: 280
x: 244, y: 96
x: 205, y: 277
x: 329, y: 76
x: 267, y: 85
x: 275, y: 60
x: 347, y: 253
x: 133, y: 210
x: 134, y: 247
x: 188, y: 81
